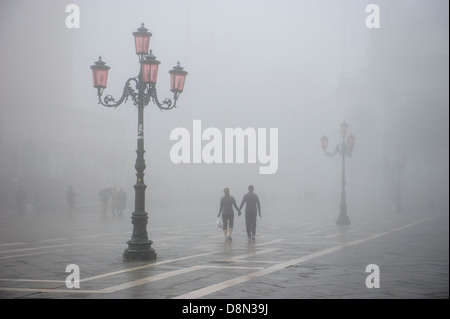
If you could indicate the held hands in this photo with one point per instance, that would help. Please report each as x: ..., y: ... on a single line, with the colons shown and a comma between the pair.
x: 239, y: 212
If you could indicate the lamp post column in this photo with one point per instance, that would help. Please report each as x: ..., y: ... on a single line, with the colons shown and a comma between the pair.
x: 343, y: 217
x: 139, y: 246
x: 344, y: 149
x: 144, y: 92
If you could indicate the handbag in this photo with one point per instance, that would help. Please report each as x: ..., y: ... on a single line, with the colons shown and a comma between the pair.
x: 219, y: 222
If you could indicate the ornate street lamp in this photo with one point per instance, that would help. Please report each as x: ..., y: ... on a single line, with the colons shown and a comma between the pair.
x: 149, y: 68
x: 177, y: 78
x: 345, y: 150
x: 100, y: 74
x: 142, y: 40
x: 144, y: 91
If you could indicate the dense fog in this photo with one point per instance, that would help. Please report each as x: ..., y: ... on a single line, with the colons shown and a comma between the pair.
x: 301, y: 67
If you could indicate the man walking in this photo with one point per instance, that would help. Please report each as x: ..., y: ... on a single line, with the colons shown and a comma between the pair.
x: 252, y: 207
x: 226, y: 209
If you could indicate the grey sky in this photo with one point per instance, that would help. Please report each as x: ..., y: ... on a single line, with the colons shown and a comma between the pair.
x: 251, y: 63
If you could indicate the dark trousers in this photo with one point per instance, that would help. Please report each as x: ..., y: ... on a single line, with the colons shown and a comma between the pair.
x: 228, y: 220
x: 250, y: 222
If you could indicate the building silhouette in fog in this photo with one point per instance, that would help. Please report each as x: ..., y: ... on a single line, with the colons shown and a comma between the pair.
x: 397, y: 108
x: 46, y: 141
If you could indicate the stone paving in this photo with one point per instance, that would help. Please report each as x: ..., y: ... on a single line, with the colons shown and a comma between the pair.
x: 295, y: 256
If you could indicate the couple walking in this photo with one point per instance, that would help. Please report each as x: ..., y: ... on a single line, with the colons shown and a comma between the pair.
x: 252, y: 207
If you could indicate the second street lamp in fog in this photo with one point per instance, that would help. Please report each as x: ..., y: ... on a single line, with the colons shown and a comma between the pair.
x: 344, y: 149
x: 142, y: 90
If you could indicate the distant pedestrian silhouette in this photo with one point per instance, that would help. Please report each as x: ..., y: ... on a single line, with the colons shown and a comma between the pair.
x: 37, y: 202
x: 113, y: 195
x: 306, y: 198
x: 309, y: 199
x: 252, y: 207
x: 70, y: 200
x: 226, y: 209
x: 21, y: 201
x: 104, y: 198
x: 121, y: 199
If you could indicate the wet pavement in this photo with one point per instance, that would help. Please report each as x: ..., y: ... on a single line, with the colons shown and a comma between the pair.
x: 294, y: 256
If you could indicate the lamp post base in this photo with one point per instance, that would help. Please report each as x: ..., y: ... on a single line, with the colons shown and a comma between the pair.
x: 343, y: 220
x: 139, y: 251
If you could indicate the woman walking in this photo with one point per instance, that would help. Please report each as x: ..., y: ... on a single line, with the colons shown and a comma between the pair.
x: 226, y: 209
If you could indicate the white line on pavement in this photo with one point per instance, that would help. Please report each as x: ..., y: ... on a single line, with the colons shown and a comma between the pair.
x: 35, y: 248
x: 129, y: 284
x: 212, y: 288
x: 270, y: 242
x: 254, y: 253
x: 244, y: 278
x: 9, y: 244
x: 144, y: 266
x: 68, y: 238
